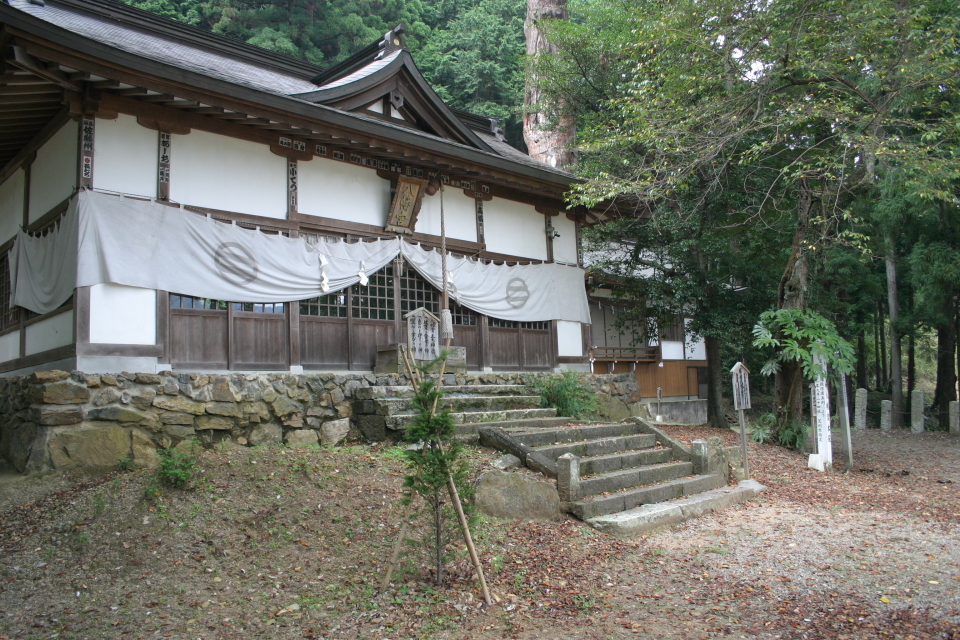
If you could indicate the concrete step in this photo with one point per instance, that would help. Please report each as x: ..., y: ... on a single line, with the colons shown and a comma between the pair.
x: 600, y: 446
x: 637, y: 477
x: 572, y: 434
x: 459, y: 404
x: 406, y: 391
x: 398, y: 422
x: 601, y: 505
x: 625, y: 460
x: 652, y: 516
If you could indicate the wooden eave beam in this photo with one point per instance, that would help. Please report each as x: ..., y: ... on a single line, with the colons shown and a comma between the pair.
x: 18, y: 57
x: 60, y: 54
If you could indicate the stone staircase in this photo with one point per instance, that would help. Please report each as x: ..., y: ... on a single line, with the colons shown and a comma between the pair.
x: 626, y: 477
x: 623, y: 478
x: 382, y: 411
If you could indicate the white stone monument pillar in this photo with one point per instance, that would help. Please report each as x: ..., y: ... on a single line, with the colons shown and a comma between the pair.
x: 916, y: 412
x: 955, y: 417
x: 886, y: 414
x: 823, y: 459
x: 860, y: 412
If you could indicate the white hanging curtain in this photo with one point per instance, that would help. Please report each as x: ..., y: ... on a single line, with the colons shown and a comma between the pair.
x: 104, y: 238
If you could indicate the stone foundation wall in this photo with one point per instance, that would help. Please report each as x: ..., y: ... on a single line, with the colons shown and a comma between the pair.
x: 59, y: 420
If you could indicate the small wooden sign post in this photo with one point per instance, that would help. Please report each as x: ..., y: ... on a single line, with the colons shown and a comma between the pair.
x: 659, y: 400
x: 844, y: 413
x: 741, y: 401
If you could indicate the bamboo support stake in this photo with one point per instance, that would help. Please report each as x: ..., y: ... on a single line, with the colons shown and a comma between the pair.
x: 400, y: 538
x: 406, y: 361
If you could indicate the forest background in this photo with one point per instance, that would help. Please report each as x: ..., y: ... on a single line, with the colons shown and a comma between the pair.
x: 801, y: 157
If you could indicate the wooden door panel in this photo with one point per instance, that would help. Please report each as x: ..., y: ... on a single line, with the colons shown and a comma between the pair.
x: 366, y: 336
x: 504, y: 349
x: 469, y: 337
x: 537, y: 350
x: 323, y: 344
x: 198, y: 339
x: 260, y: 341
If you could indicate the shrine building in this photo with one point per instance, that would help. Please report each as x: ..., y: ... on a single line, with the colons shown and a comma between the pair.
x: 171, y: 199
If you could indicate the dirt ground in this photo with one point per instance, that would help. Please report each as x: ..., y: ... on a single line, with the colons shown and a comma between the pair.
x: 292, y: 543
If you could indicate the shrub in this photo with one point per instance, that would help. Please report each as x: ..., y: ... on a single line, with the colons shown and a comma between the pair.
x: 567, y: 392
x: 760, y: 431
x: 792, y: 435
x: 176, y: 468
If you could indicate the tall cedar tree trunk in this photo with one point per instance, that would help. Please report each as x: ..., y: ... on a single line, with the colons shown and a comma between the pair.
x: 547, y: 141
x: 896, y: 375
x: 715, y: 417
x: 862, y: 381
x: 946, y: 374
x: 792, y: 294
x: 884, y: 378
x: 911, y: 367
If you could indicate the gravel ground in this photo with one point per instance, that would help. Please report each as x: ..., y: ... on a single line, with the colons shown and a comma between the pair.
x: 291, y: 543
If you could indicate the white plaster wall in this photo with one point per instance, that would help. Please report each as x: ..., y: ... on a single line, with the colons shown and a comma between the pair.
x: 514, y: 228
x: 125, y: 157
x: 11, y: 205
x: 9, y: 346
x: 342, y: 191
x: 219, y: 172
x: 459, y: 212
x: 565, y: 247
x: 696, y: 348
x: 123, y: 315
x: 569, y: 338
x: 53, y: 175
x: 49, y: 333
x: 671, y: 350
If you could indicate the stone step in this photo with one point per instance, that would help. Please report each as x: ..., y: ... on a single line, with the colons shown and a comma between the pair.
x: 459, y: 404
x: 614, y: 481
x: 572, y: 434
x: 651, y: 516
x: 601, y: 505
x: 625, y: 460
x: 525, y: 424
x: 601, y: 446
x: 406, y: 391
x: 398, y: 422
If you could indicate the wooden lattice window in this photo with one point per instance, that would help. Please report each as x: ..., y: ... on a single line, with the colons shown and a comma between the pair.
x: 332, y: 305
x: 503, y: 324
x: 9, y: 315
x: 259, y: 307
x: 540, y: 325
x: 416, y: 292
x: 374, y: 301
x: 178, y: 301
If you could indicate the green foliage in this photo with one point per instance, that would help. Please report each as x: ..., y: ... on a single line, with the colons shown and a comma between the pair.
x: 567, y: 392
x: 760, y: 430
x: 803, y: 336
x: 434, y: 459
x: 125, y: 463
x: 792, y: 435
x: 176, y: 468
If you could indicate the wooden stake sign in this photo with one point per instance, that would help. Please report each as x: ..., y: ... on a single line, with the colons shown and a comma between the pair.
x: 741, y: 401
x: 423, y: 330
x: 406, y: 205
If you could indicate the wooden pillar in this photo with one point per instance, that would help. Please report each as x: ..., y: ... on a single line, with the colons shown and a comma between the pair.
x: 163, y: 326
x: 293, y: 325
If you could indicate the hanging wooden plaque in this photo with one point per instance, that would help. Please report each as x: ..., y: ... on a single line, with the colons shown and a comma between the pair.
x: 406, y: 205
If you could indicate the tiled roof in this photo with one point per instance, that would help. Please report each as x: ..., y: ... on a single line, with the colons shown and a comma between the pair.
x: 363, y: 72
x: 167, y: 50
x: 505, y: 150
